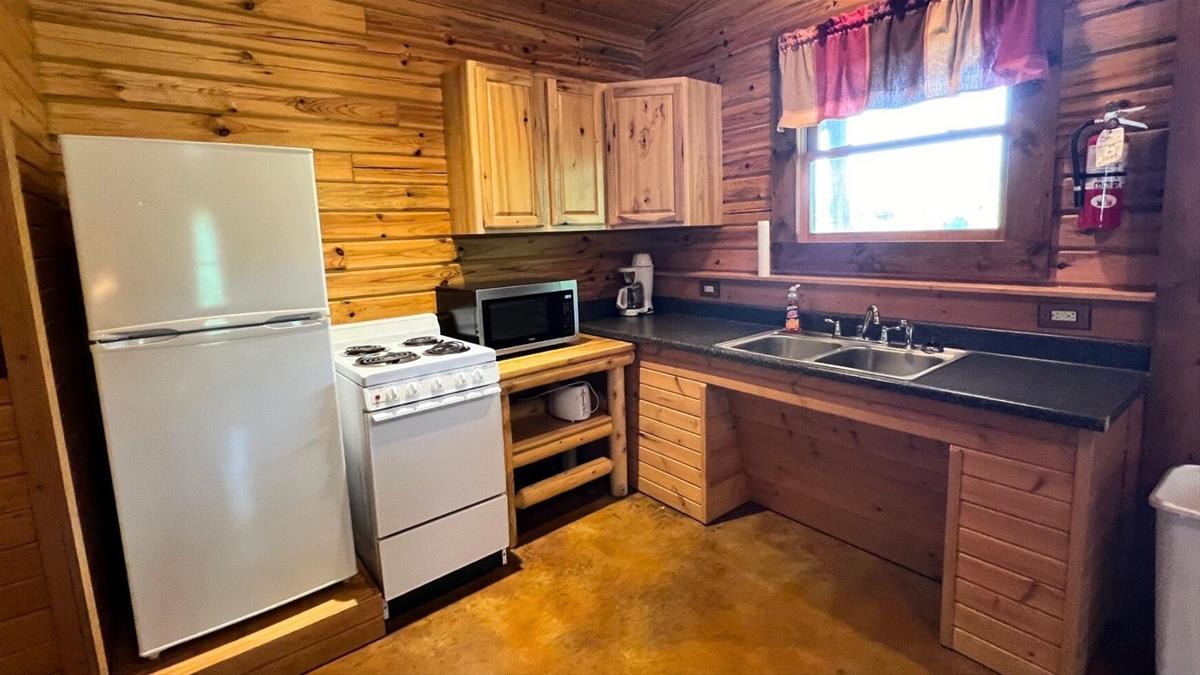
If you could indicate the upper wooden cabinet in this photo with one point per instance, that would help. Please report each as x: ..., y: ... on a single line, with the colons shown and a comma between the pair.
x: 663, y: 147
x: 528, y: 152
x: 496, y: 137
x: 576, y: 152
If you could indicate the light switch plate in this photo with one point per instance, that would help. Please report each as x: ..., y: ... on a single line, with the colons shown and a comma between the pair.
x: 710, y: 288
x: 1069, y: 315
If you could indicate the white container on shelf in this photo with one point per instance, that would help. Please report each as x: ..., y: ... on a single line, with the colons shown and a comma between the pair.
x: 1177, y: 602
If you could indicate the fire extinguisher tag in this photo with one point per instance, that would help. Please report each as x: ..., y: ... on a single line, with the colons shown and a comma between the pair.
x: 1110, y: 147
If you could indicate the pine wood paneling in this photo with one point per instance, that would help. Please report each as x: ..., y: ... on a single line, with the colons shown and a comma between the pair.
x: 359, y: 81
x: 1112, y: 50
x: 875, y: 488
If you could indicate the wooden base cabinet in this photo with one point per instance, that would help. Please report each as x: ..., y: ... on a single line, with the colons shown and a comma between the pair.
x: 687, y: 454
x: 1037, y: 515
x: 663, y: 149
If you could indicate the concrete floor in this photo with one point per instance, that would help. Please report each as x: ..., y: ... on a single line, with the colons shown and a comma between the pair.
x: 635, y: 587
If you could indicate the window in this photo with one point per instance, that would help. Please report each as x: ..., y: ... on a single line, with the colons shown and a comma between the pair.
x: 935, y: 170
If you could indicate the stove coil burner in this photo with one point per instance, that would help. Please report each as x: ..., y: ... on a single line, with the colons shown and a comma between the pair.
x: 388, y: 359
x: 363, y: 350
x: 423, y: 341
x: 446, y: 348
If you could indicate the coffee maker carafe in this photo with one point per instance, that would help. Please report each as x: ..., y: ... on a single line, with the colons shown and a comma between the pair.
x: 636, y: 297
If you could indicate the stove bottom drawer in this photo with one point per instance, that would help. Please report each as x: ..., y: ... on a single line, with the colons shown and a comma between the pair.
x: 415, y: 557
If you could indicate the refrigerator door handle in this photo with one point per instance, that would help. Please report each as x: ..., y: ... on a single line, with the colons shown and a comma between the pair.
x: 309, y: 317
x: 142, y: 336
x: 207, y: 336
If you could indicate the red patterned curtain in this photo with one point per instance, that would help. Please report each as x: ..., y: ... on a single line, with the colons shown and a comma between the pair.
x: 896, y: 52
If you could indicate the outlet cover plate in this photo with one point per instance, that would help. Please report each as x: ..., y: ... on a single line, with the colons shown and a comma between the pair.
x: 710, y: 288
x: 1065, y: 315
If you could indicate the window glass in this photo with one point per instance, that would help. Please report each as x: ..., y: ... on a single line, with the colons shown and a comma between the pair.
x: 935, y: 182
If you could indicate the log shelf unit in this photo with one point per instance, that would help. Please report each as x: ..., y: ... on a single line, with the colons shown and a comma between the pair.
x: 531, y: 434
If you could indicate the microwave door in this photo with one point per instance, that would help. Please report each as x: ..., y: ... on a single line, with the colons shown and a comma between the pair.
x: 519, y: 323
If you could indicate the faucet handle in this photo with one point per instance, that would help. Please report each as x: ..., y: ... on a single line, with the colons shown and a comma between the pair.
x: 837, y: 326
x: 908, y: 333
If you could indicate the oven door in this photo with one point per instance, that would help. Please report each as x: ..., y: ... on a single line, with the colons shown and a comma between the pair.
x: 435, y: 457
x: 529, y: 320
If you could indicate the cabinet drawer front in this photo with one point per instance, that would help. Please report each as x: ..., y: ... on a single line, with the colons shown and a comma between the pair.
x: 676, y: 485
x: 1034, y: 508
x: 1023, y: 561
x: 669, y: 399
x: 675, y: 501
x: 420, y: 555
x: 672, y: 383
x: 676, y: 468
x: 675, y: 418
x: 671, y: 450
x: 669, y: 433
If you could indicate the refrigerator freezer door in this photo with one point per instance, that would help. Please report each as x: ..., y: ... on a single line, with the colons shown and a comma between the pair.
x: 192, y: 235
x: 227, y: 466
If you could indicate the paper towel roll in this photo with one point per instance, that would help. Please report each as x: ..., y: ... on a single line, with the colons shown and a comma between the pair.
x: 764, y: 248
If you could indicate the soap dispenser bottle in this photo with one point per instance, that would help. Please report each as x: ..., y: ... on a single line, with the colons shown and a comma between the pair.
x: 791, y: 322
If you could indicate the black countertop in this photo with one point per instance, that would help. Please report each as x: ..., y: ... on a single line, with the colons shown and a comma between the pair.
x: 1086, y: 397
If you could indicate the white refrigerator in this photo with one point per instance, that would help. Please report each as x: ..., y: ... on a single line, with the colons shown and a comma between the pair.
x: 203, y: 282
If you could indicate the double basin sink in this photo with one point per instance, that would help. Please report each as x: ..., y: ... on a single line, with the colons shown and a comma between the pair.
x: 845, y: 354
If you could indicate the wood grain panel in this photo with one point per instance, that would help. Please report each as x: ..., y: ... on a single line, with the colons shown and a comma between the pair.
x: 1116, y: 50
x: 360, y: 82
x: 850, y: 474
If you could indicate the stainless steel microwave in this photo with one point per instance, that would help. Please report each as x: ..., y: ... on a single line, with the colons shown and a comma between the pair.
x: 511, y: 318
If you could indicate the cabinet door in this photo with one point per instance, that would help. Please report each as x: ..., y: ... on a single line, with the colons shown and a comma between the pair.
x: 645, y: 132
x: 576, y: 155
x: 512, y: 148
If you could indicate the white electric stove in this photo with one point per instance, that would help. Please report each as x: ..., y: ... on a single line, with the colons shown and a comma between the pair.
x: 422, y: 429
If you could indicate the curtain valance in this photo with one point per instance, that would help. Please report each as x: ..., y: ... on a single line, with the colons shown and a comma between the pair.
x: 896, y: 52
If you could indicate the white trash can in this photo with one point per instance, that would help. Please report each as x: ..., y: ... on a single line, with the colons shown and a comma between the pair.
x: 1177, y: 569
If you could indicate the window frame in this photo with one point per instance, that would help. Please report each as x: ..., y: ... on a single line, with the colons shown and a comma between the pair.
x: 1032, y: 191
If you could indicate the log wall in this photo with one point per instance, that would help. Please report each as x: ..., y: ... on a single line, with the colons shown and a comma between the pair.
x: 1111, y: 50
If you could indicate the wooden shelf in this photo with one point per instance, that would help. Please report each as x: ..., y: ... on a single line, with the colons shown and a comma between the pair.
x: 1024, y: 290
x: 540, y: 436
x: 558, y: 484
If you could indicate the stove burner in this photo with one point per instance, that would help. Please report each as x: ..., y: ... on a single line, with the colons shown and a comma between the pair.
x: 360, y: 350
x: 388, y: 359
x: 446, y: 348
x: 423, y: 341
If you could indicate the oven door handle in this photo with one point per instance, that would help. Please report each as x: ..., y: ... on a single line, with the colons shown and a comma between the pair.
x: 433, y: 404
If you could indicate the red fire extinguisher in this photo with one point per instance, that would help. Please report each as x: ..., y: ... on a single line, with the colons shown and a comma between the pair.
x: 1100, y: 180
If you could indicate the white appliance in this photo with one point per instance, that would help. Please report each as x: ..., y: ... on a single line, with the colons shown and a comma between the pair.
x: 421, y: 421
x: 203, y: 282
x: 636, y: 297
x: 574, y: 402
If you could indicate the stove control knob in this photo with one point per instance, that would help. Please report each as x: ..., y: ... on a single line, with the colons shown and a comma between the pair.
x: 412, y: 389
x: 393, y: 394
x: 477, y: 375
x: 437, y: 384
x: 460, y: 379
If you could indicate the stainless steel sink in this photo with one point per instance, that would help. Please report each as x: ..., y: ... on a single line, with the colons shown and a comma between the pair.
x: 785, y: 346
x: 870, y: 358
x: 900, y: 364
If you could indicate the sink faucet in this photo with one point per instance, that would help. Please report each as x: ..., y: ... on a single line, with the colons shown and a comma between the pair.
x: 871, y: 318
x: 904, y: 325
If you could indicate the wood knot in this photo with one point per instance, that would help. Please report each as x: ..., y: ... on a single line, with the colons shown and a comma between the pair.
x: 223, y: 131
x: 339, y: 250
x: 248, y: 5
